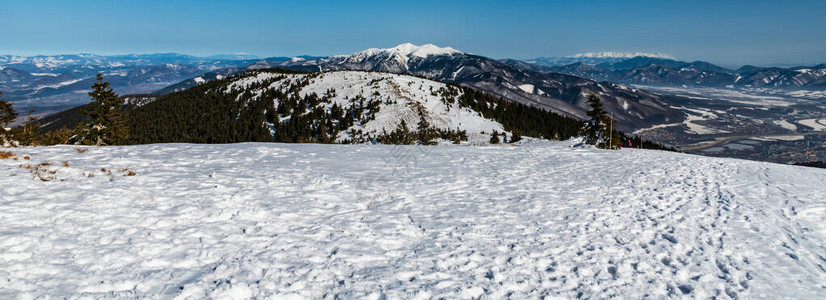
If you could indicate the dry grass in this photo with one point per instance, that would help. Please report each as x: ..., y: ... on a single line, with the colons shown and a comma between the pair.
x: 6, y: 154
x: 46, y: 172
x: 81, y: 150
x: 127, y: 172
x: 41, y: 171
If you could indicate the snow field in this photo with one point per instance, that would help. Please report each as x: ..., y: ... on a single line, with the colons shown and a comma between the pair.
x: 535, y: 220
x: 814, y: 124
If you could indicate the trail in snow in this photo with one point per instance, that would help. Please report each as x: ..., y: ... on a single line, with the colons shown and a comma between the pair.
x: 326, y: 221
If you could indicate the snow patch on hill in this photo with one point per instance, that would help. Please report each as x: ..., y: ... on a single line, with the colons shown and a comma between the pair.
x: 407, y: 94
x: 527, y: 88
x: 609, y: 54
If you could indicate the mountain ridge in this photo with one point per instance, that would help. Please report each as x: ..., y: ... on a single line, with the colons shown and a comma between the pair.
x: 561, y: 93
x: 669, y: 72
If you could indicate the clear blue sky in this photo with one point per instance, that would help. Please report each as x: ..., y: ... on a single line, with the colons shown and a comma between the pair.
x: 724, y: 32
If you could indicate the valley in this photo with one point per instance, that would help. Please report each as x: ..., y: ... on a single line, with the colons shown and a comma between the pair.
x: 778, y: 127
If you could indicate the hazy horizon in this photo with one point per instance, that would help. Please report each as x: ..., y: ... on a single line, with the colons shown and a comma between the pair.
x: 733, y: 33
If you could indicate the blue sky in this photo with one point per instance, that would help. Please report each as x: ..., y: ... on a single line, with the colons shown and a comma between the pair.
x: 724, y: 32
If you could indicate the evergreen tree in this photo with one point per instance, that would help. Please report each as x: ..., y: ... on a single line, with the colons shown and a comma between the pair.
x: 600, y: 129
x: 108, y: 123
x: 27, y: 136
x: 516, y: 137
x: 57, y: 137
x: 425, y: 133
x: 595, y: 126
x: 7, y: 115
x: 494, y: 138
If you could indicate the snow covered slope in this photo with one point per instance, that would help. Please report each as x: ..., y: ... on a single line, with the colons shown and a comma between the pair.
x: 407, y: 222
x: 399, y: 97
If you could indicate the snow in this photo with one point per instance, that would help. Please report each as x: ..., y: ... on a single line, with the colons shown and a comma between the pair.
x: 753, y: 97
x: 408, y: 50
x: 42, y: 74
x: 540, y: 219
x: 199, y: 80
x: 692, y: 115
x: 790, y: 137
x: 700, y: 129
x: 406, y: 91
x: 609, y: 54
x: 785, y: 124
x: 527, y: 88
x: 57, y: 85
x: 814, y: 124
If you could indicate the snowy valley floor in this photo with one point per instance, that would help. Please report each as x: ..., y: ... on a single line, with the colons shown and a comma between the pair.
x: 327, y: 221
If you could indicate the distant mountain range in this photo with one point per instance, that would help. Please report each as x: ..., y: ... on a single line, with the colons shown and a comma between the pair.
x: 561, y: 93
x: 664, y: 71
x: 52, y: 83
x: 593, y: 58
x: 61, y: 81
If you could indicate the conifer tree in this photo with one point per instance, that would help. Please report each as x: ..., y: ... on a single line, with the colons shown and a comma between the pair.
x: 494, y: 138
x: 28, y: 134
x: 600, y: 129
x: 594, y: 128
x: 108, y: 123
x: 7, y: 115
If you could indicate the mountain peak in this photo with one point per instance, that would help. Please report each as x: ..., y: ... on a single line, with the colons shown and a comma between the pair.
x: 609, y: 54
x: 408, y: 50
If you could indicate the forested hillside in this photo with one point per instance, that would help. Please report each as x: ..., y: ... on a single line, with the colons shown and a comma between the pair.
x: 343, y: 107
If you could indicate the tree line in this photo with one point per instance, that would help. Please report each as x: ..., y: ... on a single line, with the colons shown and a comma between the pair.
x: 105, y: 123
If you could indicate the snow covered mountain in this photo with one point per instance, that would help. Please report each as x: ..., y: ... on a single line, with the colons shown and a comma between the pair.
x: 61, y: 81
x: 564, y: 94
x: 663, y: 71
x: 594, y: 58
x: 386, y: 99
x: 798, y: 77
x: 298, y: 221
x: 336, y: 106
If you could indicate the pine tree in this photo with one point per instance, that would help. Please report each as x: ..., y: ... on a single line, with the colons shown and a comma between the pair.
x: 600, y: 129
x: 7, y: 115
x: 595, y: 127
x: 108, y: 123
x: 494, y: 138
x: 57, y: 137
x: 28, y: 134
x: 425, y: 133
